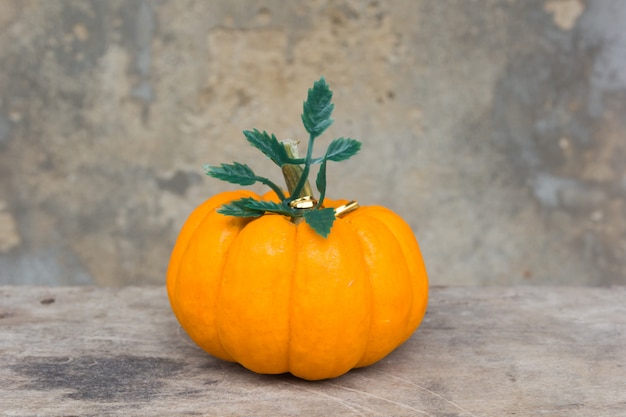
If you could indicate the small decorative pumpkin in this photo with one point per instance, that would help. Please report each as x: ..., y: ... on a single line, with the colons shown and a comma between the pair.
x: 288, y: 283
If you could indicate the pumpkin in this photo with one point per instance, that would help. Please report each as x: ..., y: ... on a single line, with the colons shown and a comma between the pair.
x: 278, y: 293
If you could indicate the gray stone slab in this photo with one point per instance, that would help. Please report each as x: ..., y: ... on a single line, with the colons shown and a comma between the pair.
x: 495, y: 128
x: 495, y: 351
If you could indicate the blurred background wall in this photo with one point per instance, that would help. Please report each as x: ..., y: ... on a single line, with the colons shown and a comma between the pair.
x: 496, y: 128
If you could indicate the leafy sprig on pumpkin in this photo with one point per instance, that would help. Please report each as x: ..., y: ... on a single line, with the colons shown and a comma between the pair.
x: 316, y: 118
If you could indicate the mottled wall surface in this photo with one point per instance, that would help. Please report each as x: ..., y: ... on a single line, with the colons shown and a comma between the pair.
x: 496, y: 128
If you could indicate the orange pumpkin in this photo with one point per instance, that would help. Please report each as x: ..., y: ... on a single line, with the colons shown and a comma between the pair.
x: 277, y: 297
x: 283, y: 292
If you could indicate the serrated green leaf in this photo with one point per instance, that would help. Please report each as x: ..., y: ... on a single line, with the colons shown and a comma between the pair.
x: 249, y: 207
x: 266, y: 206
x: 238, y: 208
x: 317, y: 108
x: 268, y: 144
x: 320, y: 220
x: 234, y: 173
x: 320, y: 181
x: 241, y: 174
x: 342, y: 149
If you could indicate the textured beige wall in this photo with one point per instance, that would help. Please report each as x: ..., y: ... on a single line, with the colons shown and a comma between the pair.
x: 496, y: 128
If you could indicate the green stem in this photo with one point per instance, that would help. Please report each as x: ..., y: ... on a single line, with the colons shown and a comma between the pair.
x: 273, y: 186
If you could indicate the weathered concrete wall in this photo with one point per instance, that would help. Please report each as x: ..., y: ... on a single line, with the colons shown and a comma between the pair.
x: 496, y: 128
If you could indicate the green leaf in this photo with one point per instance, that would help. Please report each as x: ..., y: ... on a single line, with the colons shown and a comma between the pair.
x: 241, y: 174
x: 234, y: 173
x: 320, y: 181
x: 342, y: 149
x: 267, y: 144
x: 266, y: 206
x: 320, y: 220
x: 238, y: 208
x: 249, y: 207
x: 317, y: 108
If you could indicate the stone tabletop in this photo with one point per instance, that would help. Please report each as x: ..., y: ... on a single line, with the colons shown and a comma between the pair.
x: 481, y: 351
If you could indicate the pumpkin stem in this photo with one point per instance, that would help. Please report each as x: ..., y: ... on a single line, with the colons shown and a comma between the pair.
x: 293, y: 173
x: 300, y: 204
